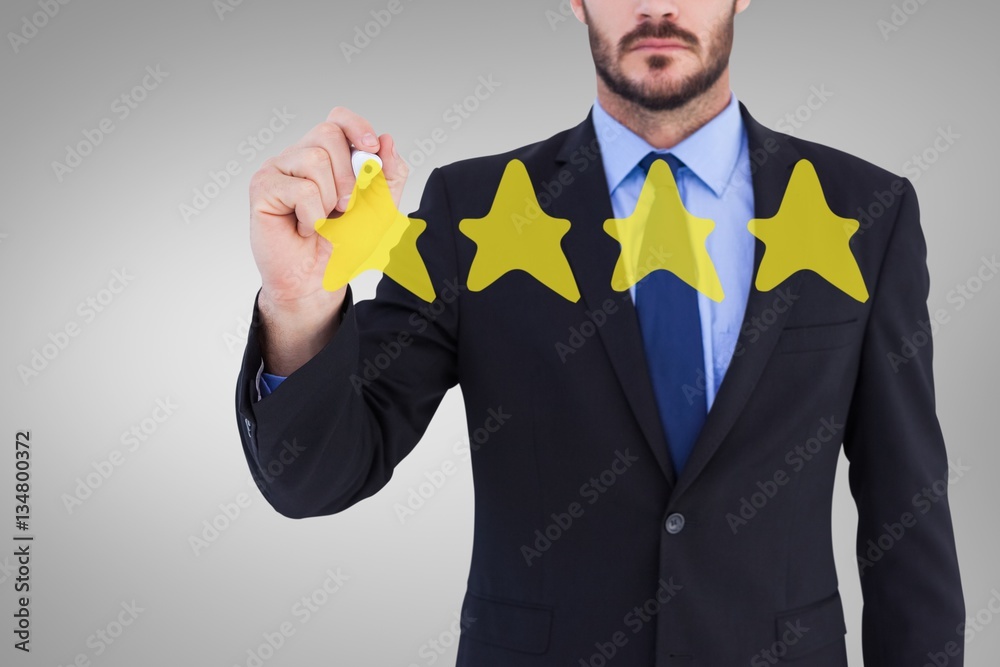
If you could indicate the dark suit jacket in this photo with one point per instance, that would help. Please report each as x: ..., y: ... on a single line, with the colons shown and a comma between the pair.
x: 587, y: 545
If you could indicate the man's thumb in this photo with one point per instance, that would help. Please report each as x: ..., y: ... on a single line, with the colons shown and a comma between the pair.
x: 393, y: 166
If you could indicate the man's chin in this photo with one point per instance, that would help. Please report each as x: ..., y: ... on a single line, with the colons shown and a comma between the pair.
x: 665, y: 76
x: 653, y: 88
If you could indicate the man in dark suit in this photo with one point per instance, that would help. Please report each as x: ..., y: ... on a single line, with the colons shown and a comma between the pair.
x: 615, y: 523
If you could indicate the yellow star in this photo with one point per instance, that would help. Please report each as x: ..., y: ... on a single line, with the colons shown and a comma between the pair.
x: 506, y: 240
x: 662, y: 234
x: 806, y: 234
x: 373, y: 234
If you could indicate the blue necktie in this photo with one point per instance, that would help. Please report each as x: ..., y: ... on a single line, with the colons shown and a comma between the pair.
x: 670, y: 322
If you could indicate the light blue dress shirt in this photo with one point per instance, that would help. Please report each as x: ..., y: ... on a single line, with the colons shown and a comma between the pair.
x: 715, y: 183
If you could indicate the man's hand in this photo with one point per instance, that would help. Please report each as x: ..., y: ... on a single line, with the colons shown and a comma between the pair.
x: 310, y: 180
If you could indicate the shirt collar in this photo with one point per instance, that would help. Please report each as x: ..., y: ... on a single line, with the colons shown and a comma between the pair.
x: 710, y: 152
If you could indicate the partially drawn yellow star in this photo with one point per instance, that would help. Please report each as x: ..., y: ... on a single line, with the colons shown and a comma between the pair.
x: 806, y: 234
x: 506, y: 240
x: 373, y: 234
x: 662, y: 234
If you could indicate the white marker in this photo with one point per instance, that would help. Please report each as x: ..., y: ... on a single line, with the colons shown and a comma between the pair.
x: 358, y: 161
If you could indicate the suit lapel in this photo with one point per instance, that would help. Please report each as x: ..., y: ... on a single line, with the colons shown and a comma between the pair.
x: 755, y: 343
x: 592, y: 254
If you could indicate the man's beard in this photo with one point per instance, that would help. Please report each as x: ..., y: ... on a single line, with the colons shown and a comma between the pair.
x: 661, y: 98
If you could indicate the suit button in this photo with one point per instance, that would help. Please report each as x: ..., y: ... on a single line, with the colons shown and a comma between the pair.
x: 675, y: 523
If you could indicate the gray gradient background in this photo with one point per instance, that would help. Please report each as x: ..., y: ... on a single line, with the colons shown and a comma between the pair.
x: 170, y: 333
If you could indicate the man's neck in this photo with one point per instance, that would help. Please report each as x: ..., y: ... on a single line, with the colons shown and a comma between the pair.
x: 666, y: 129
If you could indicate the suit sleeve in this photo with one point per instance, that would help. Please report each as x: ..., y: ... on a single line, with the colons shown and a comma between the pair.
x: 899, y: 470
x: 332, y: 432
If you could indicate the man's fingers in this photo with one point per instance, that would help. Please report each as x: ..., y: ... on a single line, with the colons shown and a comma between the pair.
x: 280, y: 195
x: 330, y: 136
x: 313, y: 163
x: 357, y: 130
x: 314, y: 177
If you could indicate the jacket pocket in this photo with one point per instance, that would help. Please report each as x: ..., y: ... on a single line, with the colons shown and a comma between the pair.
x: 808, y: 628
x: 817, y: 337
x: 518, y: 626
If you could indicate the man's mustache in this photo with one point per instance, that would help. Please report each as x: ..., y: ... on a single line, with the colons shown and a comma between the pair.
x: 664, y: 30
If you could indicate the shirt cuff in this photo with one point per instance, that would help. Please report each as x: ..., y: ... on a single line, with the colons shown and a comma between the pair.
x: 267, y: 382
